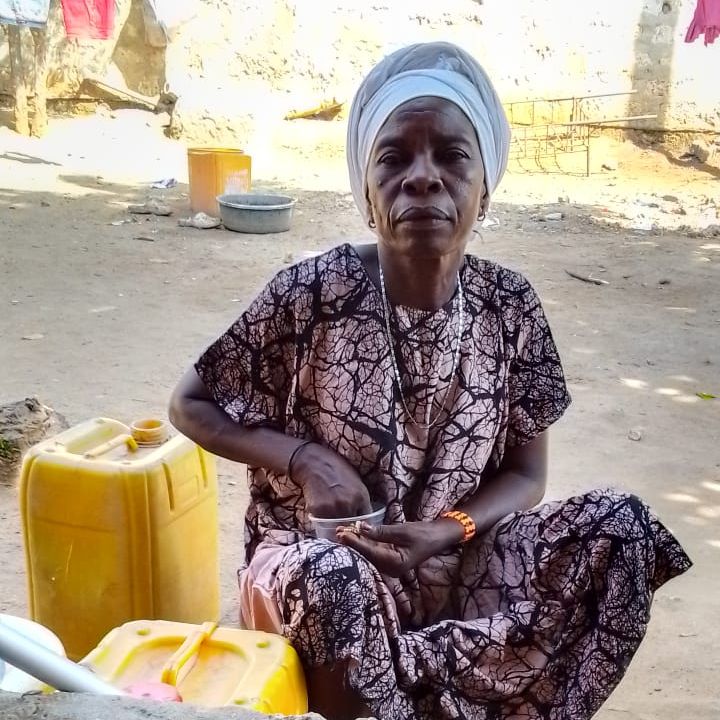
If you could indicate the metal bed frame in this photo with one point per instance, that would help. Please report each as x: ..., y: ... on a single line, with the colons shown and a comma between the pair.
x: 546, y: 128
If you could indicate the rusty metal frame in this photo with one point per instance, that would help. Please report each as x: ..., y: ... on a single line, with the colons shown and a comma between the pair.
x: 545, y: 128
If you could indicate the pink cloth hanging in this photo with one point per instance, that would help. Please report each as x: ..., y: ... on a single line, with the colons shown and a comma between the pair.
x: 89, y: 19
x: 706, y: 21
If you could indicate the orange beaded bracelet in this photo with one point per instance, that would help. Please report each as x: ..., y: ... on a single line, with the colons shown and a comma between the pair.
x: 465, y: 520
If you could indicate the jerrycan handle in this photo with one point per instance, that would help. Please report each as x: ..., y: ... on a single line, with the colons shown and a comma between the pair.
x: 187, y: 651
x: 106, y: 447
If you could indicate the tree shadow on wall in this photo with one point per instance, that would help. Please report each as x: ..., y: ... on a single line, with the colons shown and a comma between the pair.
x: 141, y: 63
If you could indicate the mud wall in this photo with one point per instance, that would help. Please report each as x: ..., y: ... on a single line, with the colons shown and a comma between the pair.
x: 241, y: 63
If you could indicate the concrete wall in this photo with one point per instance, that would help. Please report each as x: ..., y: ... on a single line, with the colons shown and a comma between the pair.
x: 241, y: 63
x: 67, y: 706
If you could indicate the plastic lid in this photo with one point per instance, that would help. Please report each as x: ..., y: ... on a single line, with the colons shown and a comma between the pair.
x: 150, y: 431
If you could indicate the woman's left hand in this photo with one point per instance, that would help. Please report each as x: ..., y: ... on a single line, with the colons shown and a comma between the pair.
x: 395, y: 549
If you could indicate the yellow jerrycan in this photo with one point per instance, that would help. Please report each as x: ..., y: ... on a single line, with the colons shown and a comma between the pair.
x: 119, y: 523
x: 216, y: 171
x: 208, y: 665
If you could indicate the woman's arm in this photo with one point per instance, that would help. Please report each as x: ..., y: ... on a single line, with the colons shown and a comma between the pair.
x: 330, y: 485
x: 518, y: 485
x: 194, y: 412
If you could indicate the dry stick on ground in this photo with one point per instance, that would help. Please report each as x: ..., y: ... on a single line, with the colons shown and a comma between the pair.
x: 587, y: 278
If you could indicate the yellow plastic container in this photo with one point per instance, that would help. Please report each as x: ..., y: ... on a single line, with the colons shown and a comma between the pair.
x: 117, y: 530
x: 209, y: 665
x: 216, y: 171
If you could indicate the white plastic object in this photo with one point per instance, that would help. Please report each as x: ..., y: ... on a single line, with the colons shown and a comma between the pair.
x: 13, y: 679
x: 34, y: 659
x: 325, y: 527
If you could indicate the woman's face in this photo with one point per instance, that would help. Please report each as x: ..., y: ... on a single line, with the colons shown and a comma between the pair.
x: 426, y: 179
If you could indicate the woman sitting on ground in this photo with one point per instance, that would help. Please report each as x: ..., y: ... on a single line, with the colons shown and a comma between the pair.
x: 409, y: 374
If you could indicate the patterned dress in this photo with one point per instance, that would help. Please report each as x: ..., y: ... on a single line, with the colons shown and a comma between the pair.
x: 537, y: 618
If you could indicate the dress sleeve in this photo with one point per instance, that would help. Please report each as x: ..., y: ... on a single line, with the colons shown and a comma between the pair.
x: 249, y: 369
x: 537, y: 391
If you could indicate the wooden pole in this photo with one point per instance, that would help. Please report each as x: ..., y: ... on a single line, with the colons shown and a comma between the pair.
x: 18, y: 73
x: 40, y: 41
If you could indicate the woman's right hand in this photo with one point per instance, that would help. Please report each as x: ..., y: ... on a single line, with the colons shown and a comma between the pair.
x: 331, y: 487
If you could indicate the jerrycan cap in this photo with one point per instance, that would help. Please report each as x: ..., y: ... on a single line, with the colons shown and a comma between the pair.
x: 150, y: 431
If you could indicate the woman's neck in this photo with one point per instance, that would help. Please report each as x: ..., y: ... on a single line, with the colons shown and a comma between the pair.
x: 424, y: 283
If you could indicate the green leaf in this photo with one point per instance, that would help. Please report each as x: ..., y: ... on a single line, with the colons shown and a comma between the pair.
x: 706, y: 396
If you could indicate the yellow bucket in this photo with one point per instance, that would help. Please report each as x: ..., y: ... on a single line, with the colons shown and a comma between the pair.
x: 213, y: 172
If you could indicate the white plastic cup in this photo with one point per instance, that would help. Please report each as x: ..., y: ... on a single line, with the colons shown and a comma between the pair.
x: 326, y: 528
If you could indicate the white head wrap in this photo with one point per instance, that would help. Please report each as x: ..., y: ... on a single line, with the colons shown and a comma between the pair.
x: 437, y: 69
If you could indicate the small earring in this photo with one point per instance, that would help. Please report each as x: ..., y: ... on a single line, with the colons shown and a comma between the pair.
x: 481, y: 216
x: 371, y: 223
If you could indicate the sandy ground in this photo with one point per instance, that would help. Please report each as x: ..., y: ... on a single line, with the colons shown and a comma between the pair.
x: 118, y: 318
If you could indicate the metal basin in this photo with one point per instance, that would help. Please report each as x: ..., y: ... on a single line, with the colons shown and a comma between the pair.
x: 256, y: 213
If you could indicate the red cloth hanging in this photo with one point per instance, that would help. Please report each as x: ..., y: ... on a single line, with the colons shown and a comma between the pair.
x: 706, y: 21
x: 89, y: 19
